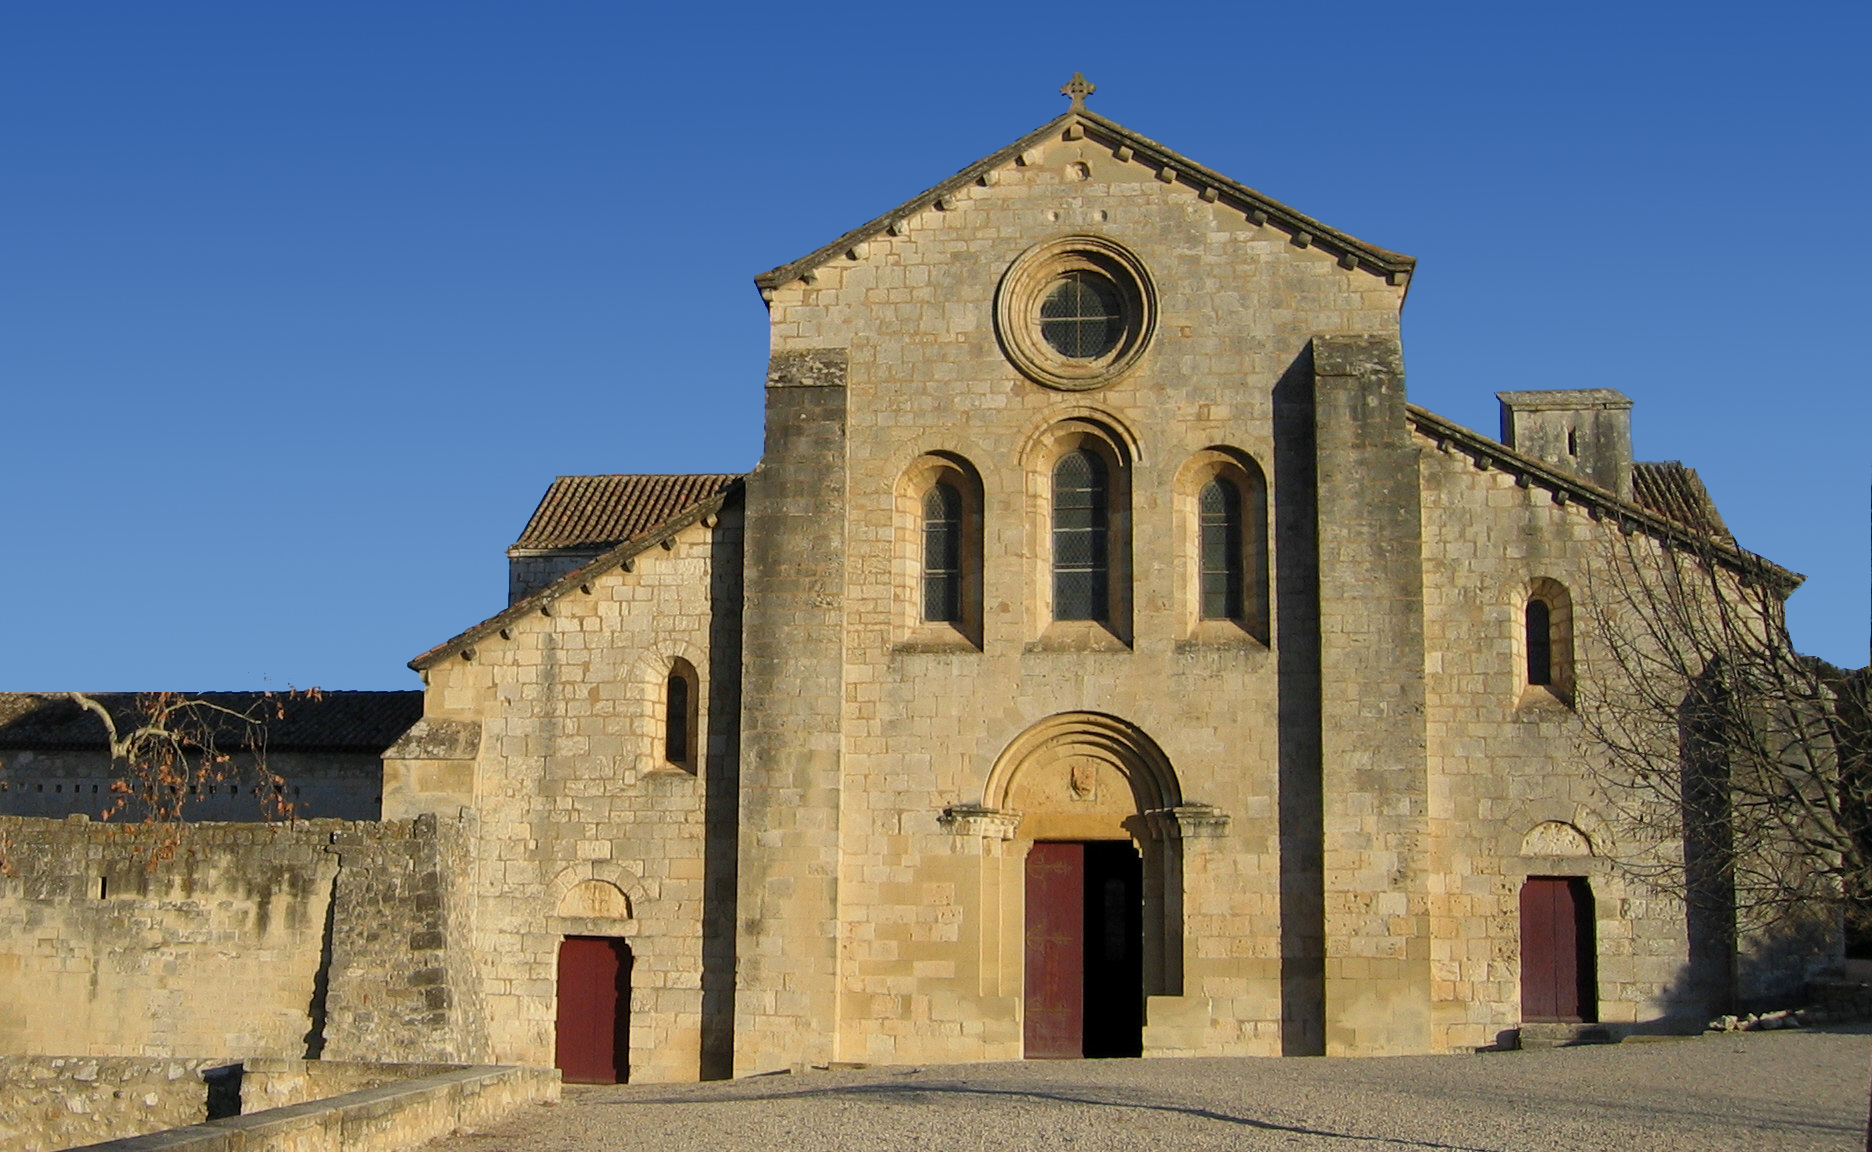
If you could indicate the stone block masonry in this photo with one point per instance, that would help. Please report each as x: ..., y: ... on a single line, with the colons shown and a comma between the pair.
x: 320, y: 937
x: 50, y: 1102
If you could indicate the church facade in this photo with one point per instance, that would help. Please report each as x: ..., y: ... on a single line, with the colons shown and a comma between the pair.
x: 1105, y: 658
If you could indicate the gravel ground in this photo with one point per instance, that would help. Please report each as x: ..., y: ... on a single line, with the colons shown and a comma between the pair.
x: 1781, y: 1091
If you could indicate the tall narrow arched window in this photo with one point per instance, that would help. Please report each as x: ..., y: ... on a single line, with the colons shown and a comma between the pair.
x: 679, y: 716
x: 942, y: 553
x: 1081, y: 537
x: 1220, y: 525
x: 1539, y: 643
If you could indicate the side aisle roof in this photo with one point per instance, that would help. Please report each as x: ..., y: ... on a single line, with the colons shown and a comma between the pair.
x: 582, y: 512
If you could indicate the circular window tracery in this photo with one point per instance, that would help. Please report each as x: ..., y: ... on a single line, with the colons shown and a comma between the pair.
x: 1076, y: 312
x: 1082, y: 316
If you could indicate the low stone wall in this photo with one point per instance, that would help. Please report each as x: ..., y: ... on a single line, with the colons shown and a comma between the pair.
x: 281, y: 1083
x: 386, y: 1119
x: 51, y: 1102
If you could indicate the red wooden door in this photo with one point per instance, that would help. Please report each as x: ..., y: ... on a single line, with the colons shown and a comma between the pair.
x: 1556, y: 950
x: 1055, y: 988
x: 592, y: 1043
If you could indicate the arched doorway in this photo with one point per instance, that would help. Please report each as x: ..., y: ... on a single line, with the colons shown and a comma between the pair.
x: 1098, y: 804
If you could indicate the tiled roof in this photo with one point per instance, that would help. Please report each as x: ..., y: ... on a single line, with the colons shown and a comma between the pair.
x: 598, y: 512
x: 1568, y: 488
x: 679, y: 516
x: 333, y: 722
x: 1677, y: 493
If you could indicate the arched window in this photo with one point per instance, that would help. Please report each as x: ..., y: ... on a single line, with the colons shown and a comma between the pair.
x: 679, y: 716
x: 1221, y: 564
x: 1220, y: 526
x: 1081, y: 533
x: 1539, y: 643
x: 942, y: 553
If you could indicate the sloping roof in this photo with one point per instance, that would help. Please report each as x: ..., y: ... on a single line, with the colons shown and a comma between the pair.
x: 603, y: 511
x: 332, y: 722
x: 1677, y: 493
x: 1171, y: 166
x: 652, y: 532
x: 1635, y: 513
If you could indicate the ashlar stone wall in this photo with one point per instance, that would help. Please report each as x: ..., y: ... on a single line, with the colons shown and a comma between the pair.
x: 549, y: 733
x: 1509, y: 761
x: 230, y: 941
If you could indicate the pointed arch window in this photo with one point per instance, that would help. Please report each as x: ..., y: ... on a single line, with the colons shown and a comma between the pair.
x: 1220, y: 520
x: 1081, y: 537
x: 942, y: 553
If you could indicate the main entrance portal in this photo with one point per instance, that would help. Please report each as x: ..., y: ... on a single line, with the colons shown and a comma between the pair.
x: 1084, y: 950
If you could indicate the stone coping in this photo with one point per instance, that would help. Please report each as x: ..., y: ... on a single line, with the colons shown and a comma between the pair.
x: 393, y: 1117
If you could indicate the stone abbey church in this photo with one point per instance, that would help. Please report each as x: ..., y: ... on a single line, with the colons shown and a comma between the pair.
x: 1105, y: 658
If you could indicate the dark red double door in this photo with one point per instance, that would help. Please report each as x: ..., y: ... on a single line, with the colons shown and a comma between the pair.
x: 1559, y: 979
x: 592, y: 1037
x: 1085, y: 949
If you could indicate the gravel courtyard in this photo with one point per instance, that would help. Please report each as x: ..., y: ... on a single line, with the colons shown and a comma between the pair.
x: 1781, y: 1091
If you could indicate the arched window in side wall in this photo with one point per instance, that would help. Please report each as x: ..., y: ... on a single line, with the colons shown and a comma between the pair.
x: 1547, y: 642
x: 679, y: 716
x: 942, y: 553
x: 1219, y: 514
x: 1539, y: 642
x: 1081, y: 537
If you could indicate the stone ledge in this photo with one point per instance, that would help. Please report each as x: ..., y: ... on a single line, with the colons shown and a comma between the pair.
x: 385, y: 1119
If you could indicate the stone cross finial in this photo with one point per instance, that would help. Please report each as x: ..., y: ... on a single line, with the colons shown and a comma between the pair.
x: 1078, y: 88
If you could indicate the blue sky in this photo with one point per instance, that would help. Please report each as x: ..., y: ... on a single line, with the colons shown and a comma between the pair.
x: 303, y: 305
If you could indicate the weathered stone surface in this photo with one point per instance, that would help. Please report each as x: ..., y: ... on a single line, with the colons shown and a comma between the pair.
x: 234, y: 940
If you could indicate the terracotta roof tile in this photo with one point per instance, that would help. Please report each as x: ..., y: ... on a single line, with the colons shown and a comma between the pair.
x: 596, y: 512
x: 1677, y: 493
x: 336, y: 721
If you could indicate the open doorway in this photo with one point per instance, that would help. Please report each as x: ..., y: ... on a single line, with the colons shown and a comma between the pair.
x: 592, y: 1035
x: 1559, y: 969
x: 1084, y: 987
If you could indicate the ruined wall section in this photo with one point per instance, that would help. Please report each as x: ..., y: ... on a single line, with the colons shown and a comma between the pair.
x: 217, y: 940
x: 397, y: 976
x: 547, y: 737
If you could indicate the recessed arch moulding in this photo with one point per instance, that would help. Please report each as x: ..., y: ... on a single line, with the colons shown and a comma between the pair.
x: 1090, y: 776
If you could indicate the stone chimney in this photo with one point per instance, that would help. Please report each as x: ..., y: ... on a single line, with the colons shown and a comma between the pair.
x: 1585, y: 431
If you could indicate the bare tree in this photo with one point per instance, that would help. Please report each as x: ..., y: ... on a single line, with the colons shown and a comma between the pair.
x: 1737, y: 769
x: 169, y: 750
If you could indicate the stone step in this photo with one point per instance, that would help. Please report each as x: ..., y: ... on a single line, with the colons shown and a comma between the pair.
x: 1534, y: 1036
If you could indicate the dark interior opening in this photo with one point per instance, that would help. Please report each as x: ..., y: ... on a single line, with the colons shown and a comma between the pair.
x: 1114, y: 949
